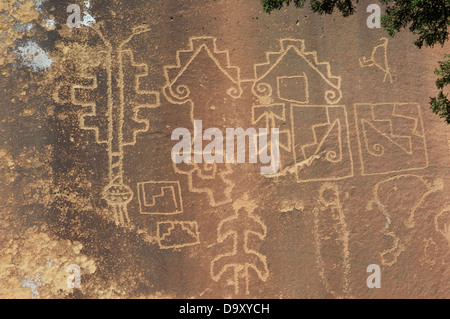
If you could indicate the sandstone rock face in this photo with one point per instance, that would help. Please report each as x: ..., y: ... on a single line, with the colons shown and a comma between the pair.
x: 93, y: 206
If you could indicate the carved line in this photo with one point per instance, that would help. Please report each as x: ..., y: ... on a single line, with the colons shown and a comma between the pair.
x: 294, y: 77
x: 308, y: 161
x: 396, y: 104
x: 176, y: 196
x: 178, y: 65
x: 399, y: 247
x: 194, y: 234
x: 364, y: 62
x: 263, y: 275
x: 300, y: 50
x: 343, y: 235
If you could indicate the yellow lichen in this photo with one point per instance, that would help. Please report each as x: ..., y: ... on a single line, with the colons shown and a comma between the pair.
x: 19, y: 13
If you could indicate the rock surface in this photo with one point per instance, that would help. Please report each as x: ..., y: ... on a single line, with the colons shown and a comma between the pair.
x: 87, y: 179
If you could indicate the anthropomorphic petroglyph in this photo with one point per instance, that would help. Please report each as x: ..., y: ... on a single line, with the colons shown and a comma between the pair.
x: 379, y: 59
x: 332, y: 241
x: 399, y: 206
x: 242, y: 228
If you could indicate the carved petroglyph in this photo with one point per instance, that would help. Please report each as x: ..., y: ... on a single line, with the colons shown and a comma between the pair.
x: 111, y: 106
x: 160, y: 198
x: 399, y: 205
x: 321, y: 143
x: 210, y: 179
x: 187, y: 84
x: 294, y: 89
x: 177, y: 234
x: 429, y: 252
x: 178, y: 92
x: 332, y: 241
x: 378, y: 59
x: 291, y: 72
x: 286, y: 78
x: 164, y: 198
x: 269, y: 116
x: 390, y: 131
x: 442, y: 223
x: 243, y: 228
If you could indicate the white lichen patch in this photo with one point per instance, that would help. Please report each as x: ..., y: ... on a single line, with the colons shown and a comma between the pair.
x: 19, y: 20
x: 33, y: 284
x: 50, y: 24
x: 33, y: 56
x: 39, y: 4
x: 26, y: 27
x: 88, y: 20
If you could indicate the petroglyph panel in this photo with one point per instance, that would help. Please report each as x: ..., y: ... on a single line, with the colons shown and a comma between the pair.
x: 87, y: 178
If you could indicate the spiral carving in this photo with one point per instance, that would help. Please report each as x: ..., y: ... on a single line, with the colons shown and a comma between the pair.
x: 179, y: 96
x: 263, y: 90
x: 333, y: 96
x: 332, y: 156
x: 234, y: 92
x: 376, y: 149
x: 182, y: 92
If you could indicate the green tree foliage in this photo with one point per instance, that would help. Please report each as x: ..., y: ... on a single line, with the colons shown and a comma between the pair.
x: 269, y: 5
x: 441, y: 104
x: 346, y: 7
x: 428, y: 19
